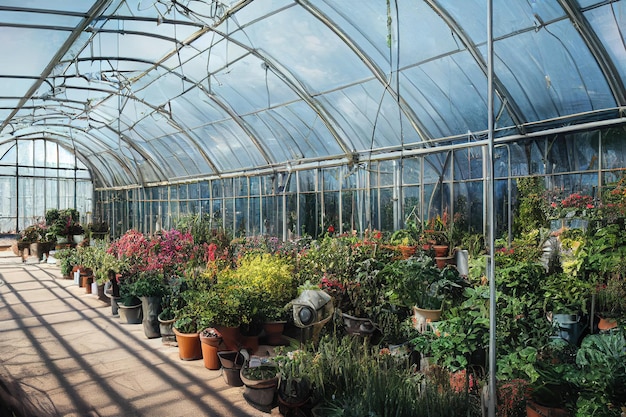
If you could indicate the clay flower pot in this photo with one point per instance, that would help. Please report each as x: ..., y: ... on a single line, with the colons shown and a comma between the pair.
x: 189, y: 346
x: 210, y: 340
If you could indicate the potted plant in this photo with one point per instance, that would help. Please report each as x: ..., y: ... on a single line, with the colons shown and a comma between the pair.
x: 441, y: 234
x: 269, y: 281
x: 416, y: 283
x: 234, y: 309
x: 63, y: 223
x: 611, y: 301
x: 150, y: 286
x: 274, y: 321
x: 406, y: 239
x: 365, y: 294
x: 295, y: 386
x: 270, y: 278
x: 553, y: 393
x: 88, y: 263
x: 36, y: 239
x: 210, y: 340
x: 67, y: 260
x: 101, y: 262
x: 129, y: 304
x: 260, y: 380
x: 196, y: 313
x: 566, y: 299
x: 97, y: 230
x: 171, y: 302
x: 601, y: 376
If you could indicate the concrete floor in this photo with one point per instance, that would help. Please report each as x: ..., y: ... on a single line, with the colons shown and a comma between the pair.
x: 62, y: 352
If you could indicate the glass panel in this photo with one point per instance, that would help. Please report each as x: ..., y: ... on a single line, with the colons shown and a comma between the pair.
x: 331, y: 178
x: 308, y: 214
x: 551, y: 74
x: 608, y: 23
x: 387, y: 169
x: 30, y: 49
x: 228, y: 146
x: 468, y: 163
x: 448, y: 95
x: 386, y: 209
x: 508, y: 17
x: 369, y: 116
x: 331, y: 211
x: 613, y: 149
x: 411, y: 170
x: 306, y: 48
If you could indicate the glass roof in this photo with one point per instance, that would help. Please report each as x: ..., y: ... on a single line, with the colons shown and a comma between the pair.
x: 151, y: 91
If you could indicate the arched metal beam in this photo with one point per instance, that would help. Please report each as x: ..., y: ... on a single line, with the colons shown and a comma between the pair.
x: 280, y: 71
x: 378, y: 73
x: 155, y: 108
x: 148, y: 157
x: 597, y: 49
x: 56, y: 138
x: 98, y: 7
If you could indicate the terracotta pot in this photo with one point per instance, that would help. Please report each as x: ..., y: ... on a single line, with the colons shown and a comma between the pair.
x: 607, y: 324
x: 251, y: 343
x: 441, y: 262
x: 209, y: 352
x: 274, y: 332
x: 407, y: 251
x: 84, y: 272
x: 87, y: 281
x: 441, y: 250
x: 189, y: 346
x: 535, y: 410
x: 231, y: 336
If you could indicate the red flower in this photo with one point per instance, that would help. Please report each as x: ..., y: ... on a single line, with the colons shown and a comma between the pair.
x: 331, y: 229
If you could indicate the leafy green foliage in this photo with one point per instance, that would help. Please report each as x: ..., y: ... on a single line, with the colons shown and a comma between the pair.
x: 602, y: 377
x: 418, y: 282
x: 532, y: 206
x: 352, y: 379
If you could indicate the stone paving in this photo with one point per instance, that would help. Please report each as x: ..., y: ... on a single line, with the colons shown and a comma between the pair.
x: 63, y: 353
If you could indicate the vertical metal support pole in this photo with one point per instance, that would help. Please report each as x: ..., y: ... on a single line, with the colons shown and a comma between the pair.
x: 398, y: 216
x: 491, y: 217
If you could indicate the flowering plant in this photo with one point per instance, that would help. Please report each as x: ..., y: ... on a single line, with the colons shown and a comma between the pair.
x: 512, y: 397
x: 440, y: 230
x: 577, y: 200
x: 170, y: 251
x: 572, y: 205
x: 34, y: 233
x: 134, y: 247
